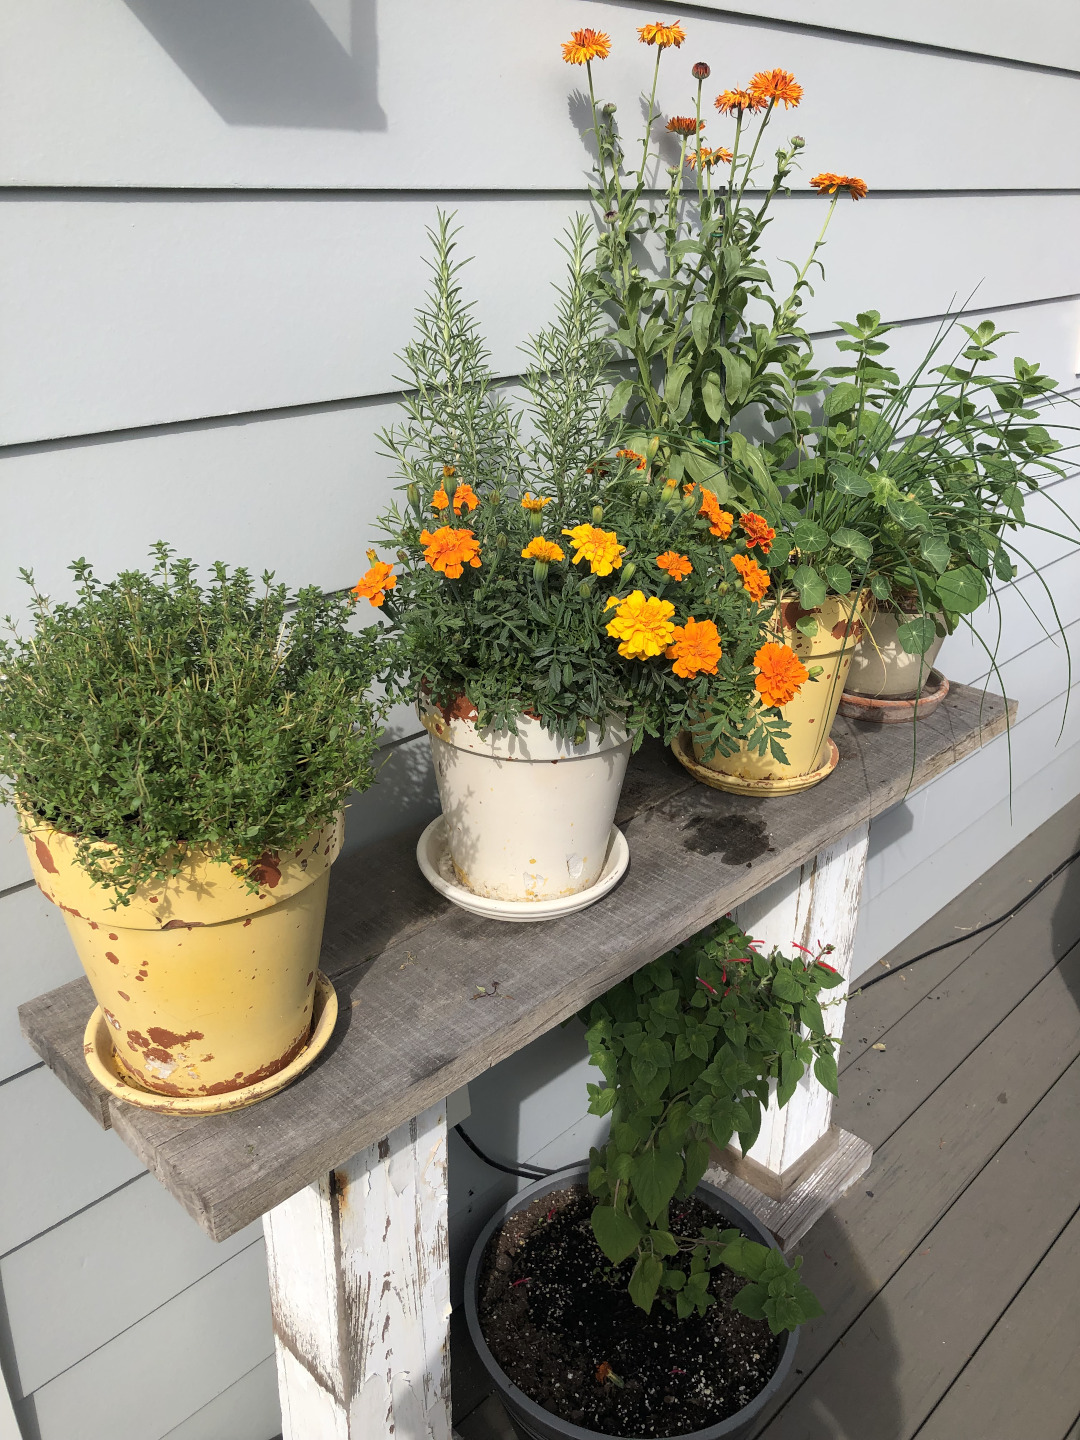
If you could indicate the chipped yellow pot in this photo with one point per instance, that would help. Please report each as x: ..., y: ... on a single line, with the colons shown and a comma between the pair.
x: 811, y: 714
x: 206, y: 984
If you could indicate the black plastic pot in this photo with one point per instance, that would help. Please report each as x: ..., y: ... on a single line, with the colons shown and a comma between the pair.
x: 532, y: 1419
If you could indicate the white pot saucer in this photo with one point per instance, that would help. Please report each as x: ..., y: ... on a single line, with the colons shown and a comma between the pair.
x: 433, y: 857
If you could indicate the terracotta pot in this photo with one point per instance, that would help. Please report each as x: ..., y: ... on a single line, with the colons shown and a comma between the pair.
x: 207, y: 984
x: 528, y: 816
x: 811, y: 714
x: 881, y: 667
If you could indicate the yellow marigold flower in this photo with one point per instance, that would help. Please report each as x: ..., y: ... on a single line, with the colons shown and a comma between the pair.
x: 720, y: 521
x: 600, y: 548
x: 758, y: 531
x: 684, y: 125
x: 465, y: 496
x: 643, y: 627
x: 534, y: 503
x: 449, y: 550
x: 728, y: 102
x: 696, y: 649
x: 755, y: 580
x: 709, y: 158
x: 586, y: 45
x: 440, y: 500
x: 541, y: 549
x: 632, y: 455
x: 677, y: 566
x: 374, y: 585
x: 662, y: 35
x: 777, y: 85
x: 828, y: 184
x: 781, y: 674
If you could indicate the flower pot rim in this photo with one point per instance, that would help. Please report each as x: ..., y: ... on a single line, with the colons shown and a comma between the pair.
x: 576, y: 1172
x: 534, y: 743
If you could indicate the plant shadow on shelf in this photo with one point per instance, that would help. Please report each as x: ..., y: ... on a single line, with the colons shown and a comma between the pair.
x: 274, y: 62
x: 1065, y: 921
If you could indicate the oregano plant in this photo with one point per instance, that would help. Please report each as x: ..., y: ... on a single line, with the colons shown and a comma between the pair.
x: 688, y: 1048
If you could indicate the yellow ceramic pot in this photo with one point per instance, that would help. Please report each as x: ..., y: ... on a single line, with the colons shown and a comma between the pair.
x: 811, y: 714
x: 206, y: 984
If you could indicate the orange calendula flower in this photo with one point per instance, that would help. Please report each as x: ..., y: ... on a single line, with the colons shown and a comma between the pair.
x: 642, y: 627
x: 662, y: 35
x: 757, y: 531
x: 776, y: 85
x: 677, y: 566
x: 684, y: 125
x: 828, y: 184
x: 781, y: 674
x: 696, y: 649
x: 541, y: 549
x: 465, y: 497
x: 535, y: 502
x: 600, y: 548
x: 720, y: 521
x: 374, y: 585
x: 730, y: 102
x: 631, y: 455
x: 708, y: 158
x: 755, y: 580
x: 586, y: 45
x: 440, y: 500
x: 449, y: 550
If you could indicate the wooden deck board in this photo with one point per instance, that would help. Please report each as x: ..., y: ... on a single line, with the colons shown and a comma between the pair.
x: 407, y: 966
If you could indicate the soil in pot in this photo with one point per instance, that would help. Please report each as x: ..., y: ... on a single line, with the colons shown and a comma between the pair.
x: 559, y: 1321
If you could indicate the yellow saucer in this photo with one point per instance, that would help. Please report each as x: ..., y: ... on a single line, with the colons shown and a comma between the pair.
x: 103, y: 1065
x: 682, y: 748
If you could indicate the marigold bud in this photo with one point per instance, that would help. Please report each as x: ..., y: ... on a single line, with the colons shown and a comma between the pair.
x: 597, y: 514
x: 701, y: 71
x: 587, y: 585
x: 414, y: 495
x: 628, y: 571
x: 500, y: 542
x: 540, y: 570
x: 403, y: 555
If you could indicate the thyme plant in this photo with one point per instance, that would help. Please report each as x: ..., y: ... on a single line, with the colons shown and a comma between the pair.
x: 155, y: 716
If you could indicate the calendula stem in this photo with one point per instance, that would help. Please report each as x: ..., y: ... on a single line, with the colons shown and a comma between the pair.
x: 649, y: 119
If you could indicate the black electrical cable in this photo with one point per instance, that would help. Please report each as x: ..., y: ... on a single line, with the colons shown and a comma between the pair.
x: 527, y: 1172
x: 895, y: 970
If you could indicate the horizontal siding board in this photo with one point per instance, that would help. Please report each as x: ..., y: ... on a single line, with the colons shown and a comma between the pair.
x: 156, y: 1374
x: 217, y: 107
x: 136, y: 1247
x: 56, y: 1159
x: 14, y: 866
x: 247, y: 1410
x: 38, y: 956
x: 194, y: 308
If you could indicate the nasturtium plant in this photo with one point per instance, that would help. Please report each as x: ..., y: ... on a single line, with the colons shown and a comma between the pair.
x: 689, y: 1049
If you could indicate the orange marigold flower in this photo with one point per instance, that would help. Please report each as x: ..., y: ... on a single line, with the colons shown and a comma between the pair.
x: 720, y: 521
x: 440, y: 500
x: 586, y: 45
x: 828, y: 184
x: 755, y: 580
x: 777, y: 85
x: 781, y: 674
x: 541, y: 549
x: 677, y: 566
x: 662, y: 35
x: 631, y: 455
x: 465, y: 497
x: 600, y: 548
x: 757, y: 531
x: 708, y: 157
x: 449, y: 550
x: 643, y: 627
x: 696, y: 649
x: 374, y: 585
x: 536, y: 502
x: 684, y: 125
x: 730, y: 101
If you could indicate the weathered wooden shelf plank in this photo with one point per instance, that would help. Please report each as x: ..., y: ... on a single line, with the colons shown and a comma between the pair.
x: 408, y: 966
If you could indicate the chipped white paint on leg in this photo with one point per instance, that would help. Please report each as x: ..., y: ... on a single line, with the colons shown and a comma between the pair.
x: 814, y: 905
x: 360, y: 1288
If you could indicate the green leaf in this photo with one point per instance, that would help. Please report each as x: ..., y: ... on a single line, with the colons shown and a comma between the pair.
x: 908, y: 513
x: 601, y: 1100
x: 673, y: 383
x: 880, y: 587
x: 844, y: 397
x: 697, y: 1162
x: 700, y: 324
x: 936, y: 551
x: 645, y: 1281
x: 615, y: 1232
x: 790, y: 1074
x: 809, y: 536
x: 825, y: 1070
x: 663, y: 1242
x: 785, y: 985
x: 712, y: 396
x: 916, y: 635
x: 851, y: 540
x: 961, y: 591
x: 847, y: 482
x: 619, y: 398
x: 750, y: 1301
x: 839, y: 578
x: 655, y: 1176
x: 807, y: 625
x: 811, y: 587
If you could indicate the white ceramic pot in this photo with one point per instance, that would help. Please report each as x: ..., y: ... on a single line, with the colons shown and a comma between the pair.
x: 882, y: 667
x: 529, y: 816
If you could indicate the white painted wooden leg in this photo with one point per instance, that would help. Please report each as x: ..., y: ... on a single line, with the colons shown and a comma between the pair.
x: 360, y: 1289
x: 816, y: 905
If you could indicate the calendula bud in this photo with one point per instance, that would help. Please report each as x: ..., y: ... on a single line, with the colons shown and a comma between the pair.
x: 797, y: 142
x: 701, y: 71
x: 609, y: 108
x: 414, y: 495
x: 673, y: 171
x: 628, y: 571
x: 597, y: 514
x: 610, y: 215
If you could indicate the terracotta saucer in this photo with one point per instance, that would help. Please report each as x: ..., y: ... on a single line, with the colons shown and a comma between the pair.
x: 682, y: 748
x: 103, y: 1065
x: 896, y: 712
